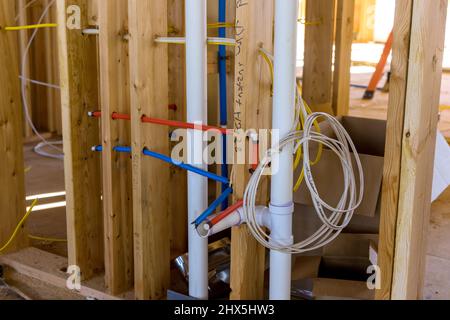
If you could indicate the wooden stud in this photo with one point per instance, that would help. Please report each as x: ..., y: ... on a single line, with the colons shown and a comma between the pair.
x: 49, y: 268
x: 411, y: 138
x: 178, y: 177
x: 418, y: 147
x: 343, y: 56
x: 93, y: 12
x: 12, y: 193
x: 391, y: 174
x: 37, y: 61
x: 151, y: 188
x: 117, y: 174
x: 49, y: 36
x: 79, y: 95
x: 365, y: 20
x: 23, y: 41
x: 317, y: 70
x: 254, y: 29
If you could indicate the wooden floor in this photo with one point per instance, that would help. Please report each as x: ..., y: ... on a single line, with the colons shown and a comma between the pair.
x: 45, y: 176
x: 377, y: 108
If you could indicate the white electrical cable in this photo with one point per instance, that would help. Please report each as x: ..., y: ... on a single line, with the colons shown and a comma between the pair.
x: 338, y: 217
x: 41, y: 83
x: 221, y: 41
x: 39, y: 150
x: 91, y: 32
x: 25, y: 7
x: 24, y: 80
x: 182, y: 40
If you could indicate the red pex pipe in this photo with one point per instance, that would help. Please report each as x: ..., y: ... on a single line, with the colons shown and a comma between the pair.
x: 226, y: 213
x: 184, y: 125
x: 256, y: 152
x: 169, y: 123
x: 119, y: 116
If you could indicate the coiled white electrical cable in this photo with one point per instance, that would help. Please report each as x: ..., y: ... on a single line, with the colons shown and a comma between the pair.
x: 338, y: 217
x: 41, y: 83
x: 39, y: 150
x: 23, y: 78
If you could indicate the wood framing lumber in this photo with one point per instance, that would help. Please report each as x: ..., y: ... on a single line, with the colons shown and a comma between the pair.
x: 394, y: 135
x: 23, y: 41
x: 178, y: 178
x: 36, y: 60
x: 418, y: 147
x: 365, y: 24
x: 343, y: 56
x: 317, y: 70
x: 151, y: 187
x: 411, y: 138
x: 117, y: 173
x: 51, y: 269
x: 79, y: 95
x: 52, y: 75
x: 12, y: 188
x: 252, y: 110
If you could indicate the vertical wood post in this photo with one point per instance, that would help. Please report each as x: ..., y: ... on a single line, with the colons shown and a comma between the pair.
x: 254, y: 29
x: 317, y: 70
x: 343, y: 56
x: 411, y: 140
x: 79, y: 95
x: 12, y: 193
x: 151, y: 188
x: 23, y: 41
x: 117, y: 174
x: 177, y: 96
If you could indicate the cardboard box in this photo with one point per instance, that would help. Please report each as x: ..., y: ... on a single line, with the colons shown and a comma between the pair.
x: 342, y: 264
x: 348, y: 257
x: 369, y: 138
x: 341, y: 272
x: 341, y: 289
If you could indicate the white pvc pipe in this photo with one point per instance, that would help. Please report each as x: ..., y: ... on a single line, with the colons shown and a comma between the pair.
x: 235, y: 219
x: 286, y: 13
x: 196, y: 91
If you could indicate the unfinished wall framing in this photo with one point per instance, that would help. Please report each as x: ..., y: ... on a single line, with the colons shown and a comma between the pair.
x: 127, y: 213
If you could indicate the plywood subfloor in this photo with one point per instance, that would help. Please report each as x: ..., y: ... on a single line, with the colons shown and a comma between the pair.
x: 377, y: 108
x: 43, y: 177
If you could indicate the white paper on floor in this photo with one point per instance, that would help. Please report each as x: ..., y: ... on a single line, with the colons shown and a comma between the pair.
x: 441, y: 179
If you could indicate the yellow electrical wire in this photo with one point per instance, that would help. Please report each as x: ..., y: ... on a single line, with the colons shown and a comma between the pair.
x: 221, y: 25
x: 309, y: 23
x: 217, y: 42
x: 299, y: 153
x: 210, y: 41
x: 270, y: 64
x: 19, y: 225
x: 37, y: 238
x: 32, y: 26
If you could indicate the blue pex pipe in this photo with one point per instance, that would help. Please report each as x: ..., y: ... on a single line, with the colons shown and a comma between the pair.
x: 213, y: 207
x: 223, y: 93
x: 169, y: 160
x: 187, y: 167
